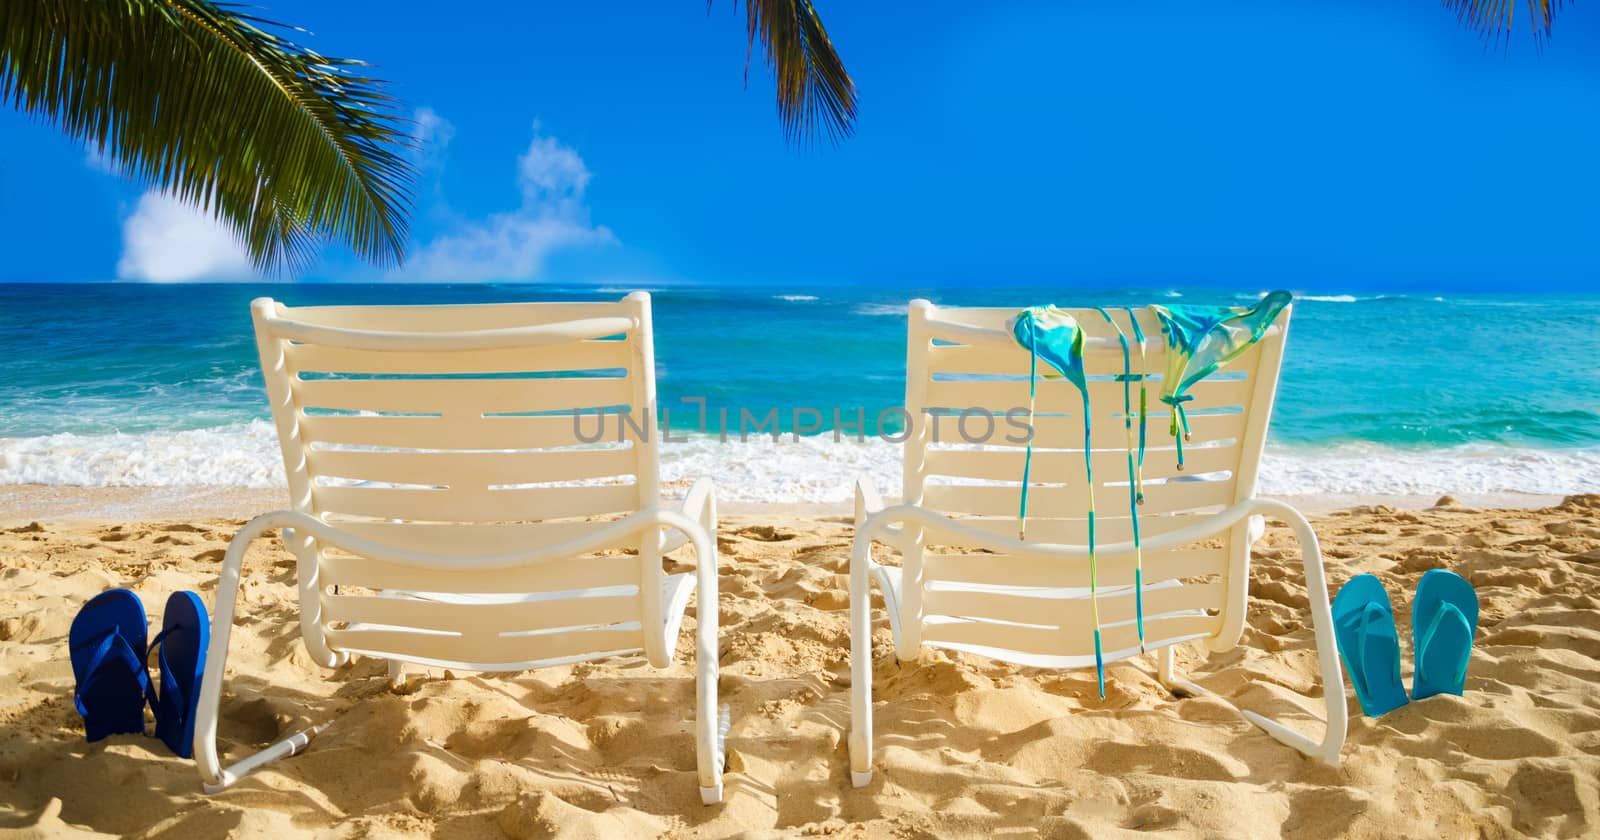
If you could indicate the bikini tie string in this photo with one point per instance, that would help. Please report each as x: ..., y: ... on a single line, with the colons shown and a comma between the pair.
x: 1180, y: 421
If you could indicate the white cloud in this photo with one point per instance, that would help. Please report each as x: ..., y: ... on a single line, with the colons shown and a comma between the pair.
x: 433, y: 135
x: 167, y: 240
x: 100, y: 162
x: 513, y: 245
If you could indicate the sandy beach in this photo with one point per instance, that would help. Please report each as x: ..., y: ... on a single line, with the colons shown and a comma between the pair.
x: 967, y: 746
x: 493, y: 309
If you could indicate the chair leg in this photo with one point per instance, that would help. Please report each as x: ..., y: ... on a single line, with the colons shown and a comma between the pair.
x: 1337, y: 719
x: 1167, y: 673
x: 213, y: 775
x: 710, y: 726
x: 860, y: 661
x: 1327, y: 750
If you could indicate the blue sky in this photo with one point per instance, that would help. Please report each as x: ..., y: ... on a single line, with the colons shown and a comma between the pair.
x: 1347, y: 145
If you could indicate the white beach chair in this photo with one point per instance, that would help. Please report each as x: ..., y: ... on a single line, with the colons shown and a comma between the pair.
x: 447, y: 511
x: 1028, y: 602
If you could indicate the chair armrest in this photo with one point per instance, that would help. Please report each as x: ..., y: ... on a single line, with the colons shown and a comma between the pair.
x: 868, y: 500
x: 701, y: 504
x: 874, y: 525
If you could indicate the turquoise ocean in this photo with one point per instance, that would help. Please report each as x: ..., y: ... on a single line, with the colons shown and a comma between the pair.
x: 120, y: 384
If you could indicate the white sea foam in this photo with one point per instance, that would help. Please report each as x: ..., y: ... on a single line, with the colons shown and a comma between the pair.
x: 881, y: 309
x: 1370, y: 469
x: 241, y: 455
x: 812, y: 469
x: 795, y: 298
x: 1344, y: 298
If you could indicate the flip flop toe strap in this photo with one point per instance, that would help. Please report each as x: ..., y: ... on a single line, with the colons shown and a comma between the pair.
x: 171, y: 695
x: 108, y: 648
x: 1447, y: 611
x: 1370, y: 614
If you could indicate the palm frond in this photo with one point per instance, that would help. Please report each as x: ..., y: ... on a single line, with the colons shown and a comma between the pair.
x: 285, y: 146
x: 814, y: 90
x: 1495, y: 18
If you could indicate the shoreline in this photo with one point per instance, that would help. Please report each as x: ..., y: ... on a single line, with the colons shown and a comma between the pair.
x: 24, y: 503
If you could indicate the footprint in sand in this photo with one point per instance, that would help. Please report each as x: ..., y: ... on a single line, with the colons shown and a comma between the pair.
x: 1548, y: 791
x: 1324, y: 812
x: 1154, y: 818
x: 543, y: 814
x: 50, y: 824
x: 1164, y: 760
x: 764, y: 533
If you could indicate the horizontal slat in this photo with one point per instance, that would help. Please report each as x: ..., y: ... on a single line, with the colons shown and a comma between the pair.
x: 466, y: 505
x: 1054, y: 641
x: 473, y: 469
x: 482, y: 618
x: 996, y: 322
x: 1025, y: 570
x: 464, y: 396
x: 453, y: 318
x: 1075, y: 530
x: 467, y: 432
x: 552, y: 576
x: 1073, y: 500
x: 485, y: 649
x: 1057, y: 432
x: 470, y: 538
x: 1156, y: 631
x: 1013, y: 359
x: 995, y: 464
x: 1093, y: 323
x: 1057, y: 395
x: 574, y: 356
x: 1115, y: 605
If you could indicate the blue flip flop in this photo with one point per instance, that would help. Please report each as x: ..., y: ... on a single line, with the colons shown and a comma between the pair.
x: 106, y: 644
x: 1363, y: 625
x: 180, y: 651
x: 1444, y: 618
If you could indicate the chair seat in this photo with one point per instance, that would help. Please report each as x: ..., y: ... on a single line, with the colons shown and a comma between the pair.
x: 891, y: 581
x: 675, y: 589
x: 675, y: 592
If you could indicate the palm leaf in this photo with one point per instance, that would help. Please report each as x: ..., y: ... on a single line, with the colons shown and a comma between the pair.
x: 814, y: 90
x: 287, y: 147
x: 1498, y: 17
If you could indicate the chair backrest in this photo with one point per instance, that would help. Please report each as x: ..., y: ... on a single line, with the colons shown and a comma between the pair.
x: 459, y: 431
x: 963, y: 368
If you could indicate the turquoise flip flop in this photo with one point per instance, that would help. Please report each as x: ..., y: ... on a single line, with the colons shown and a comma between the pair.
x: 106, y: 645
x: 1444, y: 618
x: 1363, y: 625
x: 180, y: 650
